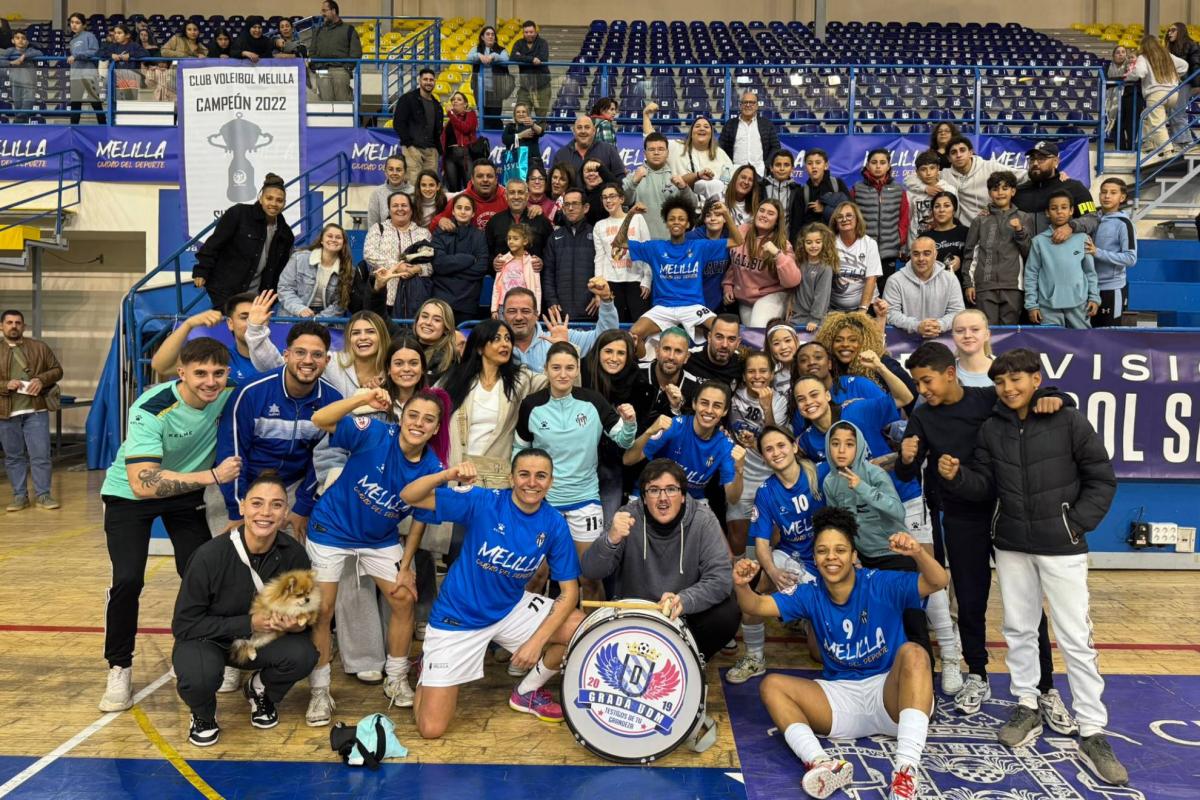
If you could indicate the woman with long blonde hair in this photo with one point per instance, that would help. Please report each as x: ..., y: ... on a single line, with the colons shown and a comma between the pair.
x: 762, y: 268
x: 1159, y: 73
x: 434, y: 327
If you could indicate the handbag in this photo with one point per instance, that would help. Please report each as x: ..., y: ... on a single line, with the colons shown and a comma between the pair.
x: 516, y: 164
x: 481, y: 148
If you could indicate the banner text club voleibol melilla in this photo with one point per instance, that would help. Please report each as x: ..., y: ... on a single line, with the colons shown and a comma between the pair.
x: 238, y: 122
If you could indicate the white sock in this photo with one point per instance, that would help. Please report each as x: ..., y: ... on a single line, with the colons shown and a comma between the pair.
x: 397, y: 666
x: 910, y: 737
x: 754, y: 636
x: 320, y: 677
x: 536, y: 678
x: 804, y: 743
x: 938, y: 612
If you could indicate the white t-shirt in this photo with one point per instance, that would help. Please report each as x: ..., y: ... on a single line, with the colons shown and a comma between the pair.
x: 626, y: 271
x: 747, y: 146
x: 683, y: 162
x: 485, y: 417
x: 858, y: 262
x: 324, y: 273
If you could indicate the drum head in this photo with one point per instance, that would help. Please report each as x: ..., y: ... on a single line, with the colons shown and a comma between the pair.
x: 633, y: 687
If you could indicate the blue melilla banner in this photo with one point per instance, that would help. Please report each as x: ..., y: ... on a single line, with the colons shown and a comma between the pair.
x: 151, y: 154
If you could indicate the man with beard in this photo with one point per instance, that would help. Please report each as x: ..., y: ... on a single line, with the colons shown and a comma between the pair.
x: 29, y: 371
x: 967, y: 177
x: 268, y: 423
x: 518, y: 211
x: 674, y: 389
x: 485, y: 190
x: 161, y: 470
x: 1044, y: 180
x: 718, y: 359
x: 531, y: 340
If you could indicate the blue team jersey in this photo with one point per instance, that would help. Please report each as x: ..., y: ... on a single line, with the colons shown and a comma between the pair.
x: 790, y: 510
x: 241, y: 369
x: 712, y: 273
x: 860, y: 638
x: 699, y: 458
x: 676, y: 268
x: 871, y: 416
x: 502, y: 549
x: 848, y: 388
x: 363, y: 506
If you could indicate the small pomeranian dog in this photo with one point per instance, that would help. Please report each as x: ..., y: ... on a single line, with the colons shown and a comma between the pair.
x: 293, y: 594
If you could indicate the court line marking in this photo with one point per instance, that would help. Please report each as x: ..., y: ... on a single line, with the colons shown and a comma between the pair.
x: 76, y: 740
x: 172, y: 755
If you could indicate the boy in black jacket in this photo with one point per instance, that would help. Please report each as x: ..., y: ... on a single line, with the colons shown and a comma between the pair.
x: 213, y: 609
x: 948, y: 423
x: 1054, y: 483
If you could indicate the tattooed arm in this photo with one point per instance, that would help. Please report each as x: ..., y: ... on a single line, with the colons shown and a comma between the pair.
x: 148, y: 479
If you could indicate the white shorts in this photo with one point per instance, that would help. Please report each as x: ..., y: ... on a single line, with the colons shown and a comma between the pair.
x: 686, y: 317
x: 330, y: 562
x: 586, y: 522
x: 916, y: 516
x: 453, y: 657
x: 742, y: 508
x: 858, y: 708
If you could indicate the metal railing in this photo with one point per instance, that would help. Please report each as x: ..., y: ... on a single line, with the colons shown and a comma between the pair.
x: 63, y: 194
x: 317, y: 189
x: 1174, y: 107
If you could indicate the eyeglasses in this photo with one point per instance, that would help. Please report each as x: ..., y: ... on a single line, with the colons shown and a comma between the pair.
x: 572, y: 204
x: 315, y: 355
x: 844, y: 217
x: 663, y: 491
x: 610, y: 196
x: 749, y: 102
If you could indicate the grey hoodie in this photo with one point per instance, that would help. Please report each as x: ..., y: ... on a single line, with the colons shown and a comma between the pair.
x: 994, y: 255
x: 875, y: 504
x: 911, y: 299
x: 693, y: 562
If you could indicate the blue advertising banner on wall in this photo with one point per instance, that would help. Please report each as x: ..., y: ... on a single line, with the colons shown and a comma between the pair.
x: 151, y: 154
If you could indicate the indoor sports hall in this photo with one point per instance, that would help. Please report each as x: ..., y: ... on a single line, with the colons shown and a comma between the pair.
x: 224, y: 228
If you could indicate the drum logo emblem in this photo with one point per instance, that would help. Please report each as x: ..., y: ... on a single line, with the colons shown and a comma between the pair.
x: 631, y: 686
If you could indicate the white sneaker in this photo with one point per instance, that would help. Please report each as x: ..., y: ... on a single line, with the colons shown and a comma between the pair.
x: 231, y: 682
x: 952, y: 677
x: 747, y: 667
x: 119, y: 694
x: 371, y: 677
x: 824, y: 778
x: 320, y: 708
x: 974, y: 693
x: 398, y: 691
x: 1055, y: 714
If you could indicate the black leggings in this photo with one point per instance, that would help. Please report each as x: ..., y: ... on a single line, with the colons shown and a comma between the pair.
x: 627, y: 295
x: 127, y: 531
x: 455, y: 165
x: 200, y: 667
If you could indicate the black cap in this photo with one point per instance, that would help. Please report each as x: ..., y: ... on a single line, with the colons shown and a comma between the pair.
x: 1043, y: 148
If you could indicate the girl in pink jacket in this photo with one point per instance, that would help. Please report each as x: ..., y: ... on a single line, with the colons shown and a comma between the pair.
x: 517, y: 270
x: 763, y: 268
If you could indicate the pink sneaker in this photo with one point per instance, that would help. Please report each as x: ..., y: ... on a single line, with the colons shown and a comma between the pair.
x: 825, y: 777
x: 538, y: 702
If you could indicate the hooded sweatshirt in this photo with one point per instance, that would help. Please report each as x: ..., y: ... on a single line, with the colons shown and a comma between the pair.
x: 884, y: 206
x: 874, y: 503
x: 1116, y: 249
x: 484, y: 209
x: 688, y: 557
x: 1060, y: 276
x: 970, y: 187
x: 652, y: 191
x: 994, y: 255
x: 911, y: 299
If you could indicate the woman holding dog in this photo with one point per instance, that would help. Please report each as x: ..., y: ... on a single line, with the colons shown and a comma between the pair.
x: 212, y: 610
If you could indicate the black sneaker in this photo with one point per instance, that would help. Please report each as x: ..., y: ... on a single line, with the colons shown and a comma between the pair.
x: 262, y: 710
x: 204, y: 732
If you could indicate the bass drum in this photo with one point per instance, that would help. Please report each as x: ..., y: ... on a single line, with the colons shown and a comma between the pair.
x: 633, y: 684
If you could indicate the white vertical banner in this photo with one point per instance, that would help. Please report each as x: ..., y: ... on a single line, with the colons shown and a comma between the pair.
x: 238, y: 121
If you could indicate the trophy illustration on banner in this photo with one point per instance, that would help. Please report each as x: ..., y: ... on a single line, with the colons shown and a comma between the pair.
x: 240, y: 136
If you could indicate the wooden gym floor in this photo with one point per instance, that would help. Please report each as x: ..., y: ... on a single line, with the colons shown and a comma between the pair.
x: 53, y: 575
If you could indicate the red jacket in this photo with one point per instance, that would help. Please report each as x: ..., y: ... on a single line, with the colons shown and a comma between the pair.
x: 459, y: 131
x: 484, y: 209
